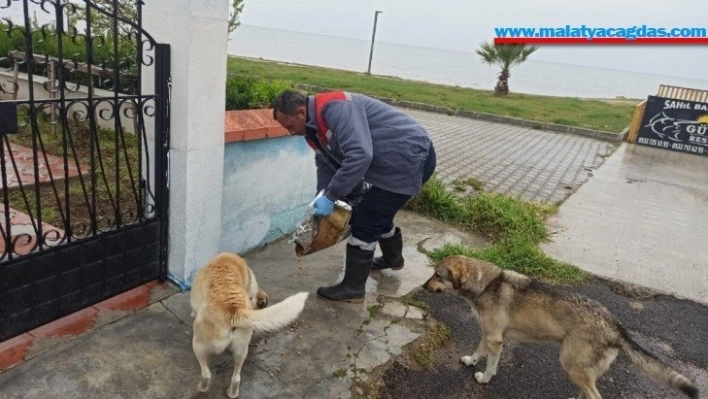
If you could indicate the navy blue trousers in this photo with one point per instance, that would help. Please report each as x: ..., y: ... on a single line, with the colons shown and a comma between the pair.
x: 373, y: 216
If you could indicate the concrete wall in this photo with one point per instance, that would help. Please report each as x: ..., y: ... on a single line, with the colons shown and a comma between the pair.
x: 267, y: 186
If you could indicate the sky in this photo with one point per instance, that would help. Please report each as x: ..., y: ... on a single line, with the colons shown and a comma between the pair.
x: 463, y: 24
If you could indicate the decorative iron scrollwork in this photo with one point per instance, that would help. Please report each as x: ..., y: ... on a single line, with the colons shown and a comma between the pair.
x: 85, y: 120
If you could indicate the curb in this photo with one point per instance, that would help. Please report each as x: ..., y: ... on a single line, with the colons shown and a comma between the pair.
x: 551, y: 127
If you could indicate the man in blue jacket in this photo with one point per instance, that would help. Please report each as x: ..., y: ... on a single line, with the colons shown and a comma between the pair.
x: 357, y: 138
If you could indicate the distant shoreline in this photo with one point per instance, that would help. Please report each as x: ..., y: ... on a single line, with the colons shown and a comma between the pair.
x: 619, y: 99
x: 603, y: 115
x: 367, y: 40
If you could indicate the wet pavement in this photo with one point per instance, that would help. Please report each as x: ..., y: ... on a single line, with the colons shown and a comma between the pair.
x: 347, y: 350
x: 642, y: 218
x: 328, y: 349
x: 532, y: 164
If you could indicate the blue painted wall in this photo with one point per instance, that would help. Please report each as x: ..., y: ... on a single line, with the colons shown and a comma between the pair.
x: 268, y: 184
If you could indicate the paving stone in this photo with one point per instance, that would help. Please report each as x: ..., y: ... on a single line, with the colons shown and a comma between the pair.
x: 20, y: 167
x: 21, y: 172
x: 395, y: 350
x: 394, y: 309
x: 529, y: 163
x: 373, y: 354
x: 414, y: 313
x: 398, y: 335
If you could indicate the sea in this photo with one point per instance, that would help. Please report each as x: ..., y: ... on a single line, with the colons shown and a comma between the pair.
x: 455, y: 68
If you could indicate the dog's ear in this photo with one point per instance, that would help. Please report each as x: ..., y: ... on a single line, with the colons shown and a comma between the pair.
x: 458, y: 276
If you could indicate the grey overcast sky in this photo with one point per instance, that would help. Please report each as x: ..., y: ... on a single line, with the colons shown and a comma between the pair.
x: 462, y: 25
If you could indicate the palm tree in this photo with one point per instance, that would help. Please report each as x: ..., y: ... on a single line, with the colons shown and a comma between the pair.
x: 506, y: 56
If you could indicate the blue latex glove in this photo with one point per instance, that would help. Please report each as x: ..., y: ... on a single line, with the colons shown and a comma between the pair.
x: 323, y: 206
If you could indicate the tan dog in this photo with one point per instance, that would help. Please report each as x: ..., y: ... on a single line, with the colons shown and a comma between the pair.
x: 510, y: 305
x: 228, y: 306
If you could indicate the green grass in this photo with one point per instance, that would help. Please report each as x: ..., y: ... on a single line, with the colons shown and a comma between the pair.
x: 373, y: 311
x: 435, y: 338
x: 339, y: 373
x: 593, y: 114
x: 461, y: 185
x: 515, y: 227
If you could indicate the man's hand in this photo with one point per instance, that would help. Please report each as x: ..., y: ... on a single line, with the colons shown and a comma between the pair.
x: 323, y: 206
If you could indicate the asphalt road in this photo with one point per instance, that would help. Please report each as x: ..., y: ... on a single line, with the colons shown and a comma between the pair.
x: 673, y: 329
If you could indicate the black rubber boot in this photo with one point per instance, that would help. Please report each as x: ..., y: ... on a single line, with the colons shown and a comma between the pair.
x: 353, y: 286
x: 392, y: 249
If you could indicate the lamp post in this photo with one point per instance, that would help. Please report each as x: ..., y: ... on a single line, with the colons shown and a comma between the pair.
x: 373, y: 36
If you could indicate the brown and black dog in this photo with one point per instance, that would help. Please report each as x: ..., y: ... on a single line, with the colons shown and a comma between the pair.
x: 509, y: 305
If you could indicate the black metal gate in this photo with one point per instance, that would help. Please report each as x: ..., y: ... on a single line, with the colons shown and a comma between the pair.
x: 84, y: 135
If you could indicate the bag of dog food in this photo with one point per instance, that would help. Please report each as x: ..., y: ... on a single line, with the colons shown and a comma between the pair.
x: 317, y: 233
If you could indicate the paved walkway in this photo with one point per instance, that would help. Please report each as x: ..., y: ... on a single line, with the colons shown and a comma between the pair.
x: 345, y: 350
x: 334, y: 349
x: 19, y: 165
x: 331, y: 346
x: 23, y: 233
x: 642, y: 218
x: 533, y: 164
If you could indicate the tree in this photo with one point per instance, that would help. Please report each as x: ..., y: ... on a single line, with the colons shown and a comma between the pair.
x: 506, y: 56
x: 235, y: 10
x: 102, y: 25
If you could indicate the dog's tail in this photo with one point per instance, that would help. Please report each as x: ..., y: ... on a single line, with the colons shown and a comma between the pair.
x: 272, y: 317
x: 655, y: 368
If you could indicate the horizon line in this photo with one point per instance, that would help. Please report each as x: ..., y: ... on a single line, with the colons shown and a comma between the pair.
x: 601, y: 40
x: 472, y: 52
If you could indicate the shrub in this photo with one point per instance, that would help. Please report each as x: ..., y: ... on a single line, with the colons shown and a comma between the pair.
x: 263, y: 93
x: 238, y: 92
x: 248, y: 92
x: 74, y: 50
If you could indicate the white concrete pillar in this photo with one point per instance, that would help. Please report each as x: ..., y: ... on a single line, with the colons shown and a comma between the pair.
x: 197, y: 33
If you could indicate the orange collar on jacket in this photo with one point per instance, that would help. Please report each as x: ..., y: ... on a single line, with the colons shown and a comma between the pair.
x: 321, y: 99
